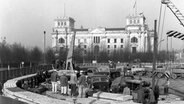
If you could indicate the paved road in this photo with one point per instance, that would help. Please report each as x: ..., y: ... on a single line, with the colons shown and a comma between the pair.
x: 6, y: 100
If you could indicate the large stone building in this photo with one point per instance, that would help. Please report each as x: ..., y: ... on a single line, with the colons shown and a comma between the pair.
x: 134, y: 37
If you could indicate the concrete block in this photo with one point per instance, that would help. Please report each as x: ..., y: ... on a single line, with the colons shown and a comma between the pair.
x: 112, y: 96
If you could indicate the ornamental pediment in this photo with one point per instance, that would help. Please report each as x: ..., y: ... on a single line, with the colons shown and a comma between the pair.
x: 97, y: 31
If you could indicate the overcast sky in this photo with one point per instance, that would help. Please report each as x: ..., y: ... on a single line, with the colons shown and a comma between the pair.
x: 23, y: 21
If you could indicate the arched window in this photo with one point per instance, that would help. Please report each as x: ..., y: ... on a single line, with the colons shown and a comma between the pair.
x: 61, y: 40
x: 134, y: 40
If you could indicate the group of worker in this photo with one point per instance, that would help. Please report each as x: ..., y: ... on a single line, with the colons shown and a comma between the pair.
x: 145, y: 94
x: 34, y: 82
x: 78, y: 85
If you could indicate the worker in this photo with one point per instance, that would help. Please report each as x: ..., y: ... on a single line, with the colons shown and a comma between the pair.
x: 151, y: 96
x: 54, y: 76
x: 64, y: 84
x: 156, y: 93
x: 82, y: 85
x: 73, y: 83
x: 126, y: 90
x: 166, y: 86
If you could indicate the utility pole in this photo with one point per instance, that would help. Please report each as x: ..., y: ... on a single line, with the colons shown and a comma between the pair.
x: 66, y: 33
x: 44, y: 32
x: 154, y: 53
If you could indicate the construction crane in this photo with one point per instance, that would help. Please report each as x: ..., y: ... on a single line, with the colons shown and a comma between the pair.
x: 174, y: 10
x: 173, y: 33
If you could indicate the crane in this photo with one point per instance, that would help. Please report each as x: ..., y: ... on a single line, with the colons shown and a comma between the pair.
x: 174, y: 10
x: 172, y: 33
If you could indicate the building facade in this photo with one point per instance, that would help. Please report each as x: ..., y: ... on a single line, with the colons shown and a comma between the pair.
x: 134, y: 37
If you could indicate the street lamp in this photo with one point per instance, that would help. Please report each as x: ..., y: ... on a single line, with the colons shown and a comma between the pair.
x: 44, y: 32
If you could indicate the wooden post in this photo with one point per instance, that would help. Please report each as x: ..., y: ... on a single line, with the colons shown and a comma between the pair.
x: 154, y: 52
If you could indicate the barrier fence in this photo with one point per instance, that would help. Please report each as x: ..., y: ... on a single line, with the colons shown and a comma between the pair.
x: 124, y: 64
x: 17, y: 72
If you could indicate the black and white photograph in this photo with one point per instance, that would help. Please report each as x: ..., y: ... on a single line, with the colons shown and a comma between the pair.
x: 91, y: 52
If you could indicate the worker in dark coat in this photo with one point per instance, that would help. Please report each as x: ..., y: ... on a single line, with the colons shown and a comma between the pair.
x: 25, y: 85
x: 140, y: 93
x: 82, y: 85
x: 156, y: 93
x: 151, y: 96
x: 64, y: 84
x: 73, y: 83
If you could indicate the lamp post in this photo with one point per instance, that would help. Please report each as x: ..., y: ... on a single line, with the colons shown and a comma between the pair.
x: 44, y: 32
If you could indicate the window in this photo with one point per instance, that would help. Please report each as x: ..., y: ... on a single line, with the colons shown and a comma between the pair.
x: 65, y: 23
x: 134, y: 40
x: 114, y: 46
x: 121, y: 40
x: 85, y: 46
x: 97, y: 39
x: 121, y: 46
x: 138, y: 21
x: 108, y: 41
x: 114, y: 40
x: 108, y: 46
x: 78, y: 41
x: 130, y: 21
x: 134, y: 50
x: 85, y: 52
x: 134, y: 21
x: 58, y: 23
x: 62, y: 23
x: 61, y: 40
x: 85, y: 41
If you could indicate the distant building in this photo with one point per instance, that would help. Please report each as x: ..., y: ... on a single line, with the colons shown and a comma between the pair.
x: 134, y: 37
x: 179, y: 55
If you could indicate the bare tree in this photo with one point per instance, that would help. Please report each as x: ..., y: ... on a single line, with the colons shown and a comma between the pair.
x: 36, y: 55
x: 49, y: 56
